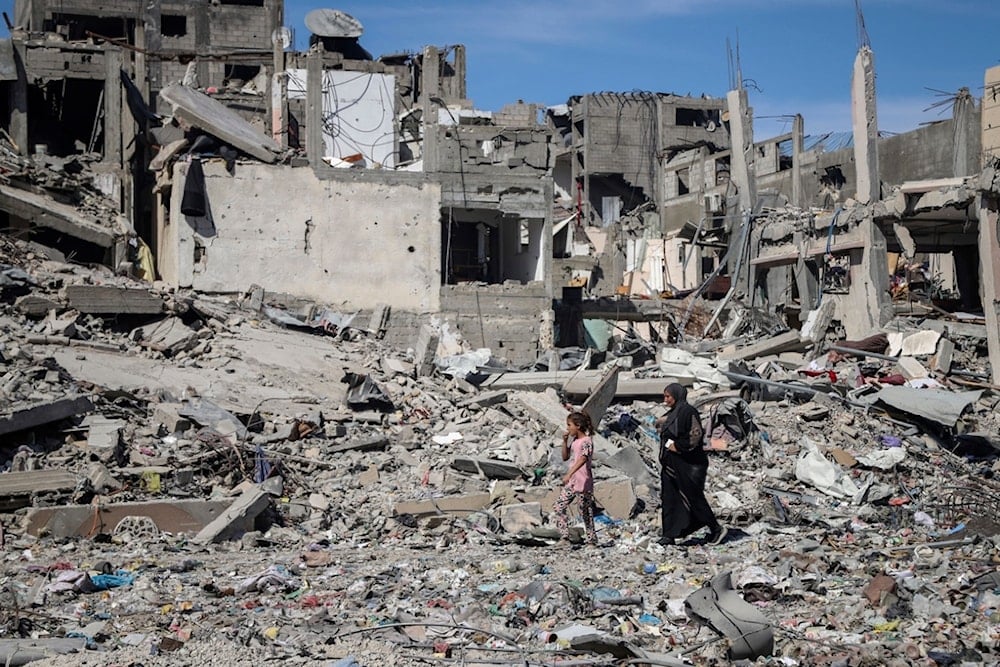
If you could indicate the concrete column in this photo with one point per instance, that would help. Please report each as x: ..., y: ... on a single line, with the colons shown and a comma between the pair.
x: 869, y: 303
x: 314, y: 106
x: 460, y: 69
x: 865, y: 122
x: 805, y: 282
x: 279, y: 96
x: 991, y: 115
x: 18, y: 102
x: 203, y: 40
x: 659, y: 184
x: 587, y: 211
x: 798, y: 147
x: 113, y: 107
x: 741, y: 139
x: 965, y: 161
x: 152, y: 20
x: 989, y: 256
x: 430, y: 85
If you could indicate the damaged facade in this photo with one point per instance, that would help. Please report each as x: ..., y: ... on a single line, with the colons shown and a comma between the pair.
x: 374, y: 181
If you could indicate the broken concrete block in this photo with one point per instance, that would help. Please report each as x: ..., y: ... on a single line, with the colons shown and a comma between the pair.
x: 813, y: 412
x: 63, y: 325
x: 369, y: 444
x: 484, y: 400
x: 104, y: 436
x: 520, y: 517
x: 941, y: 363
x: 425, y: 350
x: 103, y: 299
x: 602, y: 395
x: 790, y: 340
x: 170, y: 336
x: 101, y: 479
x: 237, y: 519
x: 319, y: 501
x: 35, y: 306
x: 920, y: 344
x: 392, y: 366
x: 616, y: 496
x: 16, y: 652
x: 44, y: 413
x: 254, y: 298
x: 910, y: 368
x: 818, y: 321
x: 627, y: 460
x: 180, y: 516
x: 369, y: 477
x: 16, y: 488
x: 201, y: 111
x: 168, y: 416
x: 457, y: 505
x: 546, y: 406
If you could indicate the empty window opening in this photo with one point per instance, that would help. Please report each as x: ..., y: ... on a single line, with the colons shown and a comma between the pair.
x: 243, y: 3
x: 74, y: 27
x: 173, y: 26
x: 683, y: 181
x: 70, y: 116
x: 237, y: 75
x: 707, y: 118
x: 524, y: 232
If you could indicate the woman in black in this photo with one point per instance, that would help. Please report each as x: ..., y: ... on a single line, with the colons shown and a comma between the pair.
x: 684, y: 464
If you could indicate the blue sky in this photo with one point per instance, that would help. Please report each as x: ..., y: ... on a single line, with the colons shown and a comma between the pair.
x: 796, y: 54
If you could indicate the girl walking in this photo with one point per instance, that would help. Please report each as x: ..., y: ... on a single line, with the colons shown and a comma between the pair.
x: 578, y: 482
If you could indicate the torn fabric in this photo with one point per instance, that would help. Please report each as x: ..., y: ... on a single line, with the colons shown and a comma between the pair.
x: 364, y: 391
x: 815, y: 469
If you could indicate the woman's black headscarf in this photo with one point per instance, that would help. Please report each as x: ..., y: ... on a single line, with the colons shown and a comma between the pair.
x: 677, y: 426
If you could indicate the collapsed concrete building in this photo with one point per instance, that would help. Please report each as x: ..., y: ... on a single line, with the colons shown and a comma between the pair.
x: 851, y: 235
x: 375, y: 184
x: 183, y: 477
x: 442, y: 210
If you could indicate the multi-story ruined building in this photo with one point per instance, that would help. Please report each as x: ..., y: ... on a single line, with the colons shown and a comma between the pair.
x: 393, y: 190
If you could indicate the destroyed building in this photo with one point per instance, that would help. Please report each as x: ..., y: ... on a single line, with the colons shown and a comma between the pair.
x: 440, y: 206
x: 221, y: 441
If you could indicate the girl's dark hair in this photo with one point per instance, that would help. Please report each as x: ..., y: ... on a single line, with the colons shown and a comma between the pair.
x: 582, y: 421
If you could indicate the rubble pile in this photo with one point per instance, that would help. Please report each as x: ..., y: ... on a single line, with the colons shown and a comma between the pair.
x: 67, y: 180
x: 200, y: 479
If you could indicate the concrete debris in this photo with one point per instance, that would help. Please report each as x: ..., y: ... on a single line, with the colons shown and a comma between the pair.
x: 235, y: 475
x: 284, y: 415
x: 238, y: 518
x: 209, y: 115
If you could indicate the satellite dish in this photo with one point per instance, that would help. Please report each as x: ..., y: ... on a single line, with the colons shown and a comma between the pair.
x: 333, y: 23
x: 282, y: 36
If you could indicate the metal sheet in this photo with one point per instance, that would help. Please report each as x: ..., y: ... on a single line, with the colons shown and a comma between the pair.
x: 717, y: 604
x: 940, y: 407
